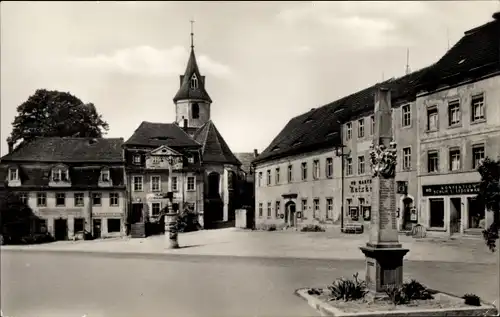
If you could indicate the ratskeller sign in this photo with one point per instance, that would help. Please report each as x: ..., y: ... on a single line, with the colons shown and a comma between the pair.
x: 450, y: 189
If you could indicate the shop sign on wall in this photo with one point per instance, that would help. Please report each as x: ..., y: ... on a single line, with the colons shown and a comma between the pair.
x: 450, y: 189
x: 361, y: 186
x: 60, y: 212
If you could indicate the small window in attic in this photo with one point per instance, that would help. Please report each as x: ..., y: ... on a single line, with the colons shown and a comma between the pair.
x: 194, y: 82
x: 461, y: 61
x: 13, y: 174
x: 296, y: 143
x: 105, y: 175
x: 329, y: 134
x: 276, y: 148
x: 160, y: 138
x: 308, y: 120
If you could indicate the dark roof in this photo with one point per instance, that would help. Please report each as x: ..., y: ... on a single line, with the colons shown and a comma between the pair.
x: 80, y: 176
x: 56, y: 149
x: 246, y: 160
x: 185, y: 90
x: 320, y: 127
x: 475, y: 55
x: 215, y: 149
x: 158, y: 134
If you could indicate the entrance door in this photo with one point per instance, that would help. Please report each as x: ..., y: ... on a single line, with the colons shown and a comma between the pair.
x: 136, y: 212
x: 97, y: 228
x: 290, y: 214
x: 60, y: 229
x: 455, y: 214
x: 407, y: 204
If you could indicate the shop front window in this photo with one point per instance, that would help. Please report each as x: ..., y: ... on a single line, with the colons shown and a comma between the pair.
x: 436, y: 212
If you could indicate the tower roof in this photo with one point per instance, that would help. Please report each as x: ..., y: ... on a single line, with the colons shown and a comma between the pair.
x: 186, y: 91
x: 214, y: 148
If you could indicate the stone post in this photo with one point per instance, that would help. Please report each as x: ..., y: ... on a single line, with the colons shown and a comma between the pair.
x: 383, y: 252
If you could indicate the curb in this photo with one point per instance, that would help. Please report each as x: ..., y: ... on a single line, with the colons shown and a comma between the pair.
x: 167, y: 252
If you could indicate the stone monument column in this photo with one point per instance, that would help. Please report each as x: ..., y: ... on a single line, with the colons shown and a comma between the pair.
x: 384, y: 254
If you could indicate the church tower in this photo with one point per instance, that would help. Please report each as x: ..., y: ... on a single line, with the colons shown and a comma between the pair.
x: 192, y: 102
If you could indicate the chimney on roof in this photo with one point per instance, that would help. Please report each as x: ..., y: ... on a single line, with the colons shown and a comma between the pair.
x: 185, y: 125
x: 10, y: 144
x: 255, y: 153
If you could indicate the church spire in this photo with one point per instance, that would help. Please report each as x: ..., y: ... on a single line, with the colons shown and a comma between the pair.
x: 192, y: 83
x: 192, y: 35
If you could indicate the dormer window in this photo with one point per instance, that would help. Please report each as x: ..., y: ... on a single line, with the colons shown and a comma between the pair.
x: 105, y: 176
x: 137, y: 159
x: 13, y: 174
x: 190, y: 159
x: 59, y: 174
x: 194, y: 82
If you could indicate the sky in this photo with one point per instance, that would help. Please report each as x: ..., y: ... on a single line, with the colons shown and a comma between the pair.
x: 264, y: 62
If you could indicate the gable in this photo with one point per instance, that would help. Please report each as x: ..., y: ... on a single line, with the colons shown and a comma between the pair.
x: 165, y: 151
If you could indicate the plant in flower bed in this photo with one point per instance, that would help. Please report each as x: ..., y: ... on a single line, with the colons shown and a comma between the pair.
x: 346, y: 290
x: 472, y: 300
x: 409, y: 291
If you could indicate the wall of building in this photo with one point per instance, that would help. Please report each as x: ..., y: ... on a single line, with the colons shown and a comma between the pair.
x: 224, y: 189
x: 88, y: 211
x: 181, y: 196
x: 456, y: 189
x: 309, y: 189
x: 183, y: 108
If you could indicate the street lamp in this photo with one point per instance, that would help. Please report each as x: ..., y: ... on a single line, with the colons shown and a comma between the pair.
x: 339, y: 151
x: 171, y: 216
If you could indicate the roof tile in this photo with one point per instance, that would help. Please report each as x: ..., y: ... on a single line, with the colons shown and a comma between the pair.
x: 215, y: 149
x: 55, y: 149
x: 158, y: 134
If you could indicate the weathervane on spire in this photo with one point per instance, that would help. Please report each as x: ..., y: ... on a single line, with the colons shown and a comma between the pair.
x: 192, y: 34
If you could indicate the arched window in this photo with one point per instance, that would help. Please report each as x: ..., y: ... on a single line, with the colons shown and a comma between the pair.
x: 195, y: 110
x: 194, y: 82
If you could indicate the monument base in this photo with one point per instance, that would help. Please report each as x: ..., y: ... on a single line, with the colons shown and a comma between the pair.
x: 384, y: 267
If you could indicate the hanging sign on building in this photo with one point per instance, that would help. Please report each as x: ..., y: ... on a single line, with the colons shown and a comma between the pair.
x: 299, y: 214
x: 402, y: 187
x: 450, y: 189
x: 361, y: 186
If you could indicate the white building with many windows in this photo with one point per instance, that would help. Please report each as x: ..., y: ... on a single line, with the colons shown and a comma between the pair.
x: 73, y: 185
x: 445, y: 120
x: 459, y: 125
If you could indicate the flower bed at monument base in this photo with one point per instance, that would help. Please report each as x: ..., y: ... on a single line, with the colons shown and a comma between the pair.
x: 442, y: 305
x: 350, y: 297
